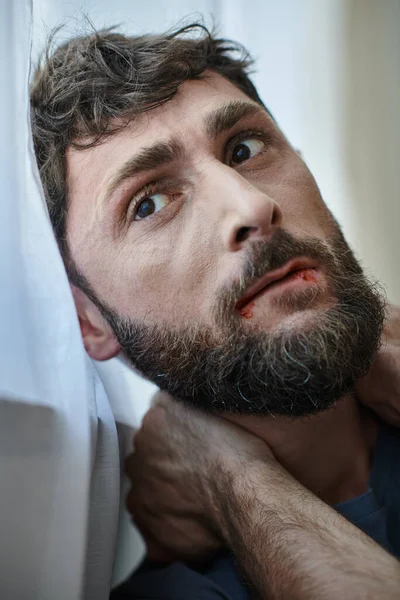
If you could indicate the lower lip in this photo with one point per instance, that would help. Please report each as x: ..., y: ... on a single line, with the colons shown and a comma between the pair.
x: 297, y: 278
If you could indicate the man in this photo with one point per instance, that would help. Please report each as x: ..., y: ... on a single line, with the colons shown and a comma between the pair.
x: 198, y: 245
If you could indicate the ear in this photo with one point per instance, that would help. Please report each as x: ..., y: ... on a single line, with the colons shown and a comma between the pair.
x: 98, y: 338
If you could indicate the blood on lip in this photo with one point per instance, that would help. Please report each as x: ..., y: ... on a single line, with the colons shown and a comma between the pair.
x: 308, y: 274
x: 247, y: 311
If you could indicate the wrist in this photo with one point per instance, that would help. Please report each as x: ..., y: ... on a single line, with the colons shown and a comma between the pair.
x: 243, y: 488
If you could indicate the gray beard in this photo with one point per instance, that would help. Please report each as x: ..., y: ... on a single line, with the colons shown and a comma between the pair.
x: 296, y: 371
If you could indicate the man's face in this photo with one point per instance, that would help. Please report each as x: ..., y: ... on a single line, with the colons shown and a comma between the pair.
x: 211, y: 252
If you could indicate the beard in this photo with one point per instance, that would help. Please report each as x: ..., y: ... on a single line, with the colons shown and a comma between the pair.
x: 295, y: 370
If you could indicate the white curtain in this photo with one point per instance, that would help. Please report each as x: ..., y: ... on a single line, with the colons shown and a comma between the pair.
x: 45, y: 393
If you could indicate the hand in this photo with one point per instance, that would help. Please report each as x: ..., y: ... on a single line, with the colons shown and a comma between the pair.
x: 178, y: 471
x: 380, y: 388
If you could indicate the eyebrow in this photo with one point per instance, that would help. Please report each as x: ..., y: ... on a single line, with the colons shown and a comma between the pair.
x: 216, y: 122
x: 147, y: 159
x: 226, y: 116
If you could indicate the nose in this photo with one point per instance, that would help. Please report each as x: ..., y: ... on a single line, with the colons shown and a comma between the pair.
x: 246, y: 213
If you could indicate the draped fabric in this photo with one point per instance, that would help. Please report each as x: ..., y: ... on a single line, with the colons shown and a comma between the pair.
x: 45, y: 391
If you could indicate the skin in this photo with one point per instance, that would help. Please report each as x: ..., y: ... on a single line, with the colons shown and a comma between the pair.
x: 178, y: 282
x: 167, y: 269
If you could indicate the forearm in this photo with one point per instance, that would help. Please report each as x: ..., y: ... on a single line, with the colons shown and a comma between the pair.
x: 290, y: 544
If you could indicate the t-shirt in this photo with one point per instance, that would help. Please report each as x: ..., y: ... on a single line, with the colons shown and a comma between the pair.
x: 376, y: 512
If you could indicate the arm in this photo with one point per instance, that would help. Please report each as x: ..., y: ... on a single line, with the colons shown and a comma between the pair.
x: 199, y: 482
x: 292, y: 545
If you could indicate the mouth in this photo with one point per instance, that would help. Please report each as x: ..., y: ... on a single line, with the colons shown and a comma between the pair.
x: 296, y: 271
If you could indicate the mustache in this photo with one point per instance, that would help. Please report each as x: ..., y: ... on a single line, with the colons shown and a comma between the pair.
x: 269, y: 255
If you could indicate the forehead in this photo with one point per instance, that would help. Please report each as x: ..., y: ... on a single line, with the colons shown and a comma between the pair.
x: 181, y: 117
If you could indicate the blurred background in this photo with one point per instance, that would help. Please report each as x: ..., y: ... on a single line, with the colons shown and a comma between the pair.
x: 329, y: 70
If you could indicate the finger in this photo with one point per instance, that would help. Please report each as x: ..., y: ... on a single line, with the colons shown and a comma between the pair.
x: 155, y: 551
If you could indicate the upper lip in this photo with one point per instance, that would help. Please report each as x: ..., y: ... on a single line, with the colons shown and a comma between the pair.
x: 295, y: 264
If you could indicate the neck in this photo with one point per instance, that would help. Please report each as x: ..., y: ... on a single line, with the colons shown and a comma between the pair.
x: 329, y: 453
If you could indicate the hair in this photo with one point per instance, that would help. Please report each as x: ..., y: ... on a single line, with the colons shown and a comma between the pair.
x: 92, y: 86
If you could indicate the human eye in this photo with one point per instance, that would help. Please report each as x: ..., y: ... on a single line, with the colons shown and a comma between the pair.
x: 246, y: 148
x: 148, y: 205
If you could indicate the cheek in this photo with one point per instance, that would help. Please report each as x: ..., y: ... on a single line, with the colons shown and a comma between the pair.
x: 159, y: 282
x: 302, y: 204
